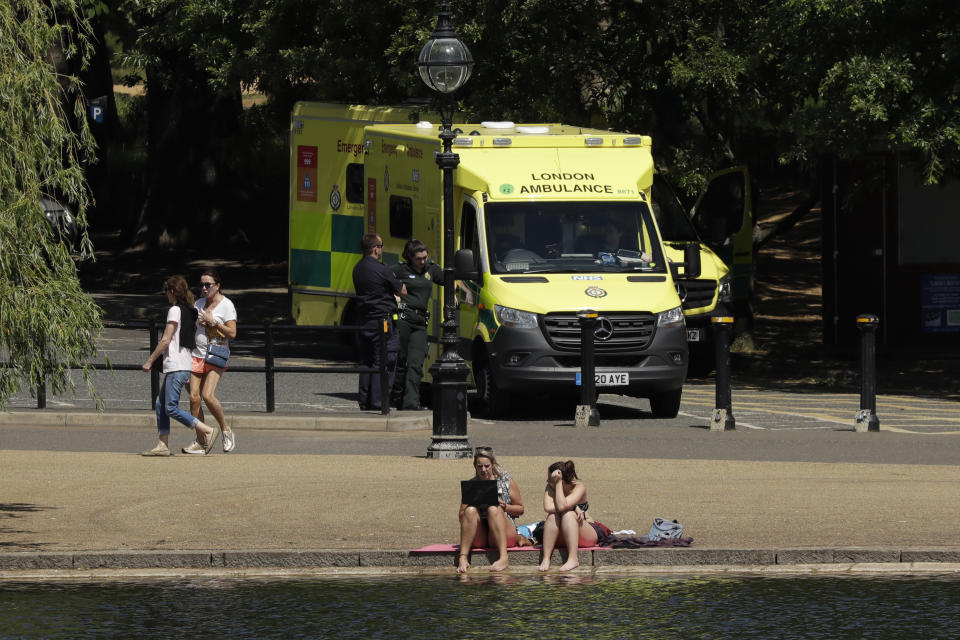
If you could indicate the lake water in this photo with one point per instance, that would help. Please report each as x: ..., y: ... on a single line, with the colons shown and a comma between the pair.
x: 536, y: 607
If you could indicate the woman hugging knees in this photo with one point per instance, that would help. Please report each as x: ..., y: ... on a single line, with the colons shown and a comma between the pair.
x: 496, y: 525
x: 567, y: 523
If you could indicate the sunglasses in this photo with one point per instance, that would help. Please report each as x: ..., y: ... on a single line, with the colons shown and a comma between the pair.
x: 207, y: 285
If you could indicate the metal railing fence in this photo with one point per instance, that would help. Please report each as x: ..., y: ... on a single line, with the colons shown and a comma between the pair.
x: 267, y: 330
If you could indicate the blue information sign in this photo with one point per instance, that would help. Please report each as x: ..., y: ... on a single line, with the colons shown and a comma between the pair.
x: 940, y: 303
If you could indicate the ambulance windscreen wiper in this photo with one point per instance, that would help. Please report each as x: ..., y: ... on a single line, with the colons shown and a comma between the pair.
x: 549, y: 269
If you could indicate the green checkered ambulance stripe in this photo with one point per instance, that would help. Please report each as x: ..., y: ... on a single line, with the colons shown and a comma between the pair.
x: 313, y: 267
x: 485, y: 317
x: 346, y: 234
x: 310, y: 268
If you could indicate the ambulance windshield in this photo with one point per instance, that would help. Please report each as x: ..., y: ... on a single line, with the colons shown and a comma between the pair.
x: 571, y: 237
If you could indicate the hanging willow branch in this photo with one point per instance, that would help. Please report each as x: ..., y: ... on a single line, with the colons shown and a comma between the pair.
x: 48, y: 325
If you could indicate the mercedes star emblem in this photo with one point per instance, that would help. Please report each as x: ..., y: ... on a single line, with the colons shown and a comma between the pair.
x: 604, y: 330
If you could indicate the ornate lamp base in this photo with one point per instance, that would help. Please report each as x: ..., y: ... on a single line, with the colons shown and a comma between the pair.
x: 449, y: 439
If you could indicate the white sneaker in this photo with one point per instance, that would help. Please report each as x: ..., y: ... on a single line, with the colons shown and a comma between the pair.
x: 229, y: 441
x: 194, y: 448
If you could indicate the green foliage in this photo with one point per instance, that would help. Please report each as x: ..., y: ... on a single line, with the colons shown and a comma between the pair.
x: 179, y: 41
x: 47, y: 323
x: 715, y: 82
x: 721, y: 81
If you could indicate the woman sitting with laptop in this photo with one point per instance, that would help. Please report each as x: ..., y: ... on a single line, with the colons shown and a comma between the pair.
x: 486, y: 523
x: 567, y: 523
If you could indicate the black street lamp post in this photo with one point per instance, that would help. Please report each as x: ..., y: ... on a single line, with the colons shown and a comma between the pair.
x: 445, y: 65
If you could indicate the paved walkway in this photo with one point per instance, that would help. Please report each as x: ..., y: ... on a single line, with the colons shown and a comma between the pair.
x: 115, y: 509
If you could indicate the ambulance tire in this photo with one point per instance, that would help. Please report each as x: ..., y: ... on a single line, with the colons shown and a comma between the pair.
x: 666, y: 405
x: 496, y: 402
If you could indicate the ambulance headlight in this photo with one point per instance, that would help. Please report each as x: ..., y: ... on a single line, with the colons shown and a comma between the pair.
x: 670, y: 318
x: 725, y: 294
x: 515, y: 318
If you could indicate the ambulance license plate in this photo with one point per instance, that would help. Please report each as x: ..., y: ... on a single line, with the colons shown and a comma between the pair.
x: 610, y: 379
x: 693, y: 335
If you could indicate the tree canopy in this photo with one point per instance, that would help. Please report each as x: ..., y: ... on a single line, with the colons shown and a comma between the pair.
x: 771, y: 83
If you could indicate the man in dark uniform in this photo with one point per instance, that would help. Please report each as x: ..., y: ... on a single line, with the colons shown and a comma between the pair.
x: 377, y: 289
x: 418, y: 274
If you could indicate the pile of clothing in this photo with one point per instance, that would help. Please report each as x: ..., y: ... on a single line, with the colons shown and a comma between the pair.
x: 663, y: 533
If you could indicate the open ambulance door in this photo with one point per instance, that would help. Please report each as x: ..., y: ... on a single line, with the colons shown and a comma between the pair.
x: 468, y: 291
x: 723, y: 217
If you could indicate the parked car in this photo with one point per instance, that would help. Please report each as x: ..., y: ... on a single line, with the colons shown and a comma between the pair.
x: 62, y: 221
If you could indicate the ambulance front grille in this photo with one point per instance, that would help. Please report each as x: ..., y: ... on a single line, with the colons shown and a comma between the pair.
x: 695, y: 294
x: 631, y: 331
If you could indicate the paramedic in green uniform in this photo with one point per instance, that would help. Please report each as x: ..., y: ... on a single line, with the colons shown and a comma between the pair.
x: 419, y: 273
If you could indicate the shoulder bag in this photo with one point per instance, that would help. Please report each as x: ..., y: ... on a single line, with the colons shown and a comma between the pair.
x: 217, y: 355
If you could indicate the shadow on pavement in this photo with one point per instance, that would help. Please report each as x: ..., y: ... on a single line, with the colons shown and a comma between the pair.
x: 16, y: 510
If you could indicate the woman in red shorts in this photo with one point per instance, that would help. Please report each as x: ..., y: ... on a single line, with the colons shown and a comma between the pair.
x: 216, y: 324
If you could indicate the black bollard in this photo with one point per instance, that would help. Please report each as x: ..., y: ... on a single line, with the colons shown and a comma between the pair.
x: 587, y: 414
x: 42, y: 386
x: 723, y: 412
x: 269, y: 373
x: 867, y: 419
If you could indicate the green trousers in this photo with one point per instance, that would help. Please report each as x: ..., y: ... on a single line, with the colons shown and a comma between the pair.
x: 413, y: 351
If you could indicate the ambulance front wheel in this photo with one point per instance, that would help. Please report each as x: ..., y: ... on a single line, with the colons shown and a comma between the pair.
x: 666, y: 405
x: 496, y: 402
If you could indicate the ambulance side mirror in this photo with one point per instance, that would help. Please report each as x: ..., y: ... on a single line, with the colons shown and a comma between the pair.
x: 691, y: 262
x: 464, y: 266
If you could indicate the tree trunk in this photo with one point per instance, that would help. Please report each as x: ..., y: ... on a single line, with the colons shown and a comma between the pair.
x: 192, y: 184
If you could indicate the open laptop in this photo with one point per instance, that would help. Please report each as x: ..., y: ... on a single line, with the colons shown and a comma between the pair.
x: 479, y: 493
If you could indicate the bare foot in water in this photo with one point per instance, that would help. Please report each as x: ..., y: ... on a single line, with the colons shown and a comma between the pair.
x: 570, y: 565
x: 499, y: 565
x: 463, y: 565
x: 545, y: 565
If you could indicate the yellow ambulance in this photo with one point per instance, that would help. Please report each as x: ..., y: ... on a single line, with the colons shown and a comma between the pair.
x: 557, y: 219
x: 721, y: 222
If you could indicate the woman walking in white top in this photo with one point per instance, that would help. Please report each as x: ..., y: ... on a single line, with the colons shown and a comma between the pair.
x: 216, y: 324
x: 176, y: 367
